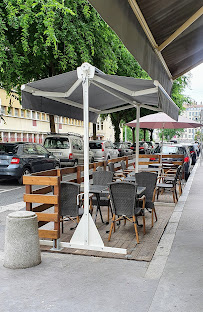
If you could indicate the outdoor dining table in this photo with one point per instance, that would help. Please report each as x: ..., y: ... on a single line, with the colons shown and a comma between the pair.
x: 99, y: 190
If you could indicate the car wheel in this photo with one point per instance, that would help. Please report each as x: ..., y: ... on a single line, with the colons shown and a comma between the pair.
x: 57, y: 166
x: 26, y: 171
x: 92, y: 160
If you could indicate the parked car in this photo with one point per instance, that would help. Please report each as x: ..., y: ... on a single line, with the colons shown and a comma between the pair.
x: 143, y: 147
x: 18, y: 159
x: 151, y: 147
x: 68, y: 147
x: 123, y: 148
x: 193, y: 151
x: 103, y: 150
x: 176, y: 149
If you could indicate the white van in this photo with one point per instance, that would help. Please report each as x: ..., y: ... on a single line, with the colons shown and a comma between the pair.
x: 68, y: 147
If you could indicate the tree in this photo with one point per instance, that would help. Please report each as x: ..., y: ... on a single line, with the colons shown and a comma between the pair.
x: 41, y: 38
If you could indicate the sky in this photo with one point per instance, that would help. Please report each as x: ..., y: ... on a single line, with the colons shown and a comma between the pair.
x: 195, y: 90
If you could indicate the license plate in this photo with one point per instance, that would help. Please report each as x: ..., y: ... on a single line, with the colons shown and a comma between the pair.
x: 57, y: 154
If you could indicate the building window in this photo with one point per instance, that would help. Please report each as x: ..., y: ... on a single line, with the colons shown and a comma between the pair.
x: 38, y: 115
x: 22, y: 113
x: 97, y: 126
x: 3, y: 110
x: 43, y: 116
x: 33, y: 115
x: 102, y: 126
x: 34, y: 123
x: 28, y: 113
x: 16, y: 112
x: 47, y: 117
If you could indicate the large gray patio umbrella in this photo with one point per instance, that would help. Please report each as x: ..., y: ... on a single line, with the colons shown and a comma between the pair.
x: 83, y: 94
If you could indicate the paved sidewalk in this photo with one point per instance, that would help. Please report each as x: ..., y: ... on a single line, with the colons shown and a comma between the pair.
x: 172, y: 282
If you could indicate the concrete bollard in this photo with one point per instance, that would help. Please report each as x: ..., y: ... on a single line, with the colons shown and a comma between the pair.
x: 22, y: 248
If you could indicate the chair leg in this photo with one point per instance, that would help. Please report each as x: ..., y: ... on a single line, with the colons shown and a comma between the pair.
x: 176, y: 195
x: 174, y: 200
x: 124, y: 221
x: 143, y: 218
x: 136, y: 232
x: 155, y: 213
x: 180, y: 188
x: 152, y: 218
x: 112, y: 225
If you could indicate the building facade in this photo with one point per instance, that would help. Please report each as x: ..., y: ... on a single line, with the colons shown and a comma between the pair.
x: 191, y: 112
x: 18, y: 124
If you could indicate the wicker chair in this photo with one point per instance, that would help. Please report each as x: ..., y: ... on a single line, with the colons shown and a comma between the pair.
x: 102, y: 178
x: 149, y: 180
x: 125, y: 170
x: 125, y: 205
x: 169, y: 183
x: 69, y: 202
x: 116, y: 175
x: 170, y: 174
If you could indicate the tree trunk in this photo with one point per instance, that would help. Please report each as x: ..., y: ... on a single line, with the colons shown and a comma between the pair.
x: 133, y: 133
x: 144, y: 134
x: 52, y: 124
x: 94, y: 131
x: 151, y: 135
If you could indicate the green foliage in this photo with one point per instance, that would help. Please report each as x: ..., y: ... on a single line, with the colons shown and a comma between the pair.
x: 130, y: 136
x: 168, y: 134
x: 41, y: 38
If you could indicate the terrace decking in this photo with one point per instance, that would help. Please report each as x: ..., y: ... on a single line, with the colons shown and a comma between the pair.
x: 45, y: 201
x: 124, y: 236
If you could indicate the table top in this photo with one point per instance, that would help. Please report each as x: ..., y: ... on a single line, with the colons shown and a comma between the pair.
x: 102, y: 189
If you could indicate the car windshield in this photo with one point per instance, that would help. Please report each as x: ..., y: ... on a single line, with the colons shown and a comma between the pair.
x: 169, y: 149
x: 118, y: 145
x: 8, y: 148
x: 56, y: 143
x: 95, y: 145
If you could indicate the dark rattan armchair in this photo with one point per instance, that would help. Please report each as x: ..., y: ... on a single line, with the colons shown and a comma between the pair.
x: 69, y: 202
x: 125, y: 205
x: 116, y: 175
x: 148, y: 180
x: 167, y: 182
x: 102, y: 178
x: 126, y: 170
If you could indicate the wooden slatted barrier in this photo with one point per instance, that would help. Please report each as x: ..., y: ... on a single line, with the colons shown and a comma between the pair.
x: 39, y: 196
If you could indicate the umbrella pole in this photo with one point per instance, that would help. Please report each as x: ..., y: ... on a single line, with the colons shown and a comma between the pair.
x: 162, y: 142
x: 86, y: 235
x: 137, y: 139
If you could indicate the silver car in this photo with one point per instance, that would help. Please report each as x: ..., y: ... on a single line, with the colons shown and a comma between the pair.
x: 103, y: 150
x: 68, y: 147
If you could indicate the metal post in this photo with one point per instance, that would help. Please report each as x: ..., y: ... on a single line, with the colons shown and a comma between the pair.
x: 86, y: 153
x: 125, y: 133
x: 137, y: 139
x: 201, y: 120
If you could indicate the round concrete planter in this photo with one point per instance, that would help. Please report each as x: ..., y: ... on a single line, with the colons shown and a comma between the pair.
x: 22, y: 248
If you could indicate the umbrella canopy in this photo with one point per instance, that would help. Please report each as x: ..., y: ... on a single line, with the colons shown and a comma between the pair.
x: 62, y: 95
x: 161, y: 121
x: 83, y: 94
x: 163, y: 36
